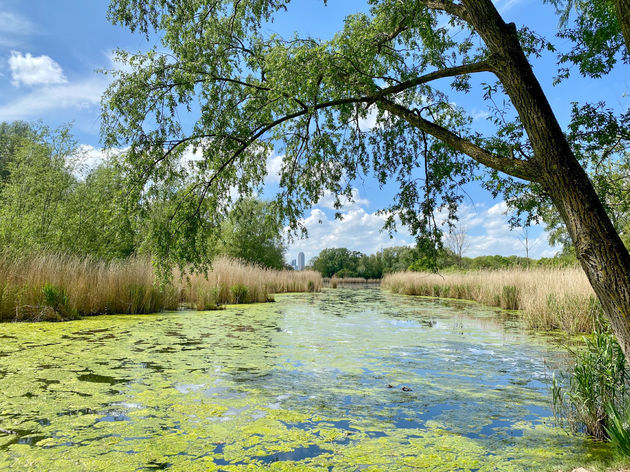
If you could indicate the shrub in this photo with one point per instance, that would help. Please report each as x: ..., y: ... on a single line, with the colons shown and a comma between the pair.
x: 239, y: 293
x: 56, y: 299
x: 598, y: 385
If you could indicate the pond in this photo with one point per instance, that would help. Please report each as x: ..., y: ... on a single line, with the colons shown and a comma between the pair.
x: 346, y: 379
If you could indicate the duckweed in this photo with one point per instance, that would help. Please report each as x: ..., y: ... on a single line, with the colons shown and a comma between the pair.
x: 311, y: 382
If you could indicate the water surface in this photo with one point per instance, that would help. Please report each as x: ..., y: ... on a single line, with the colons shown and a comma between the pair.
x: 341, y: 380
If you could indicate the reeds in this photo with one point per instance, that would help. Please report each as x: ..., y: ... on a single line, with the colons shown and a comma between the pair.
x: 548, y: 298
x: 55, y: 287
x: 231, y: 281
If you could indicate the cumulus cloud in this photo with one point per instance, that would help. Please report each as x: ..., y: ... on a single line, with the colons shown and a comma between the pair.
x: 488, y: 232
x: 328, y: 201
x: 359, y: 230
x: 41, y: 100
x: 88, y: 157
x: 30, y: 70
x: 274, y: 169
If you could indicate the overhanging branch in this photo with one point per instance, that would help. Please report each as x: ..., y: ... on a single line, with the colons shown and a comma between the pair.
x: 515, y: 167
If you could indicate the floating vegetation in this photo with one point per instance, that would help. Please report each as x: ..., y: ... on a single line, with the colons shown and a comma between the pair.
x: 301, y: 384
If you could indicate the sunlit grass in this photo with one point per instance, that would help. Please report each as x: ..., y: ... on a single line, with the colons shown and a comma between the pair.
x: 548, y: 298
x: 53, y: 287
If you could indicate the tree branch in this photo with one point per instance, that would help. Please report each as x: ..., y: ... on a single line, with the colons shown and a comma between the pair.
x: 449, y: 7
x: 482, y: 66
x: 515, y: 167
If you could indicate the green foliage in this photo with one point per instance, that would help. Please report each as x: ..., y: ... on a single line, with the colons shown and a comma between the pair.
x: 598, y: 384
x: 36, y: 195
x: 595, y: 35
x: 12, y: 137
x: 618, y: 429
x: 57, y: 299
x: 239, y: 293
x: 194, y: 90
x: 337, y: 261
x: 252, y: 233
x: 46, y: 207
x: 601, y: 142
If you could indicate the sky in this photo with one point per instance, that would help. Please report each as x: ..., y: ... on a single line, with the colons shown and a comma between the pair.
x: 51, y: 54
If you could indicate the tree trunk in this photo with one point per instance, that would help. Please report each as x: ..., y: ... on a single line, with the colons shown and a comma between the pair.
x: 599, y: 248
x: 622, y: 9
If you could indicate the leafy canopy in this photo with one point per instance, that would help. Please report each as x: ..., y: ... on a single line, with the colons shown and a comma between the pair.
x: 216, y: 84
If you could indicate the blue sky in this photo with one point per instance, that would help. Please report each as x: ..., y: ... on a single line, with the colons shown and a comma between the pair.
x: 50, y: 52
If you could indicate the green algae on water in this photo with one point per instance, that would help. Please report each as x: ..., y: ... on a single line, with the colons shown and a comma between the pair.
x: 311, y: 382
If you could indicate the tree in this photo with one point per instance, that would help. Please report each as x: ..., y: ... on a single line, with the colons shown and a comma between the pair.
x: 11, y: 136
x: 101, y: 218
x: 337, y: 261
x: 599, y: 32
x: 37, y: 191
x: 252, y: 90
x: 601, y: 142
x: 253, y: 234
x: 45, y: 207
x: 457, y: 241
x: 397, y: 259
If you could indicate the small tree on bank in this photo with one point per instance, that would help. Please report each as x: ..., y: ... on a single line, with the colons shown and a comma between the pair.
x: 252, y: 90
x: 457, y: 241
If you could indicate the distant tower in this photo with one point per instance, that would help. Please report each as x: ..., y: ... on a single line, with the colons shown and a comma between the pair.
x: 301, y: 261
x: 294, y: 264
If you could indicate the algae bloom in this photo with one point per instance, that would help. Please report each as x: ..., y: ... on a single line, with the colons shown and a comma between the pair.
x: 339, y: 380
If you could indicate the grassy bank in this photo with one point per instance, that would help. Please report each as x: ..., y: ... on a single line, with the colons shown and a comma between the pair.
x: 548, y: 298
x: 55, y: 287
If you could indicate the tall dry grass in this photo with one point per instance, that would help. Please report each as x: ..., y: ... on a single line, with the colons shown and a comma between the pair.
x: 231, y: 281
x: 54, y: 287
x: 548, y: 298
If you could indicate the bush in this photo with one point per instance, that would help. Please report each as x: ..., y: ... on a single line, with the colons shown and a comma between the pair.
x: 57, y: 299
x: 239, y: 293
x: 596, y: 389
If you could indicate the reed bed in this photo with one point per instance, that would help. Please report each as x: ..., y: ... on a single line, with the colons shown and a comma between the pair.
x: 548, y: 298
x: 231, y: 281
x: 57, y: 287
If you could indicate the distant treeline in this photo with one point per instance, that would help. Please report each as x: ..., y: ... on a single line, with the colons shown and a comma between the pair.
x: 342, y: 262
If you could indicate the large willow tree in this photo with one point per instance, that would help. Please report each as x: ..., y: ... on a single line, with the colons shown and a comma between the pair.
x: 218, y: 84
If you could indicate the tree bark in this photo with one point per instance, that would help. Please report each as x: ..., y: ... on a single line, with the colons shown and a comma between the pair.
x: 622, y: 9
x: 599, y: 248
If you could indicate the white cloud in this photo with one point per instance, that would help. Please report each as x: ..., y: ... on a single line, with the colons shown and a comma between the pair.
x: 12, y: 23
x: 369, y: 122
x: 358, y: 231
x: 42, y: 100
x: 12, y: 28
x: 274, y: 169
x: 88, y: 157
x: 328, y: 201
x: 30, y: 70
x: 488, y: 232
